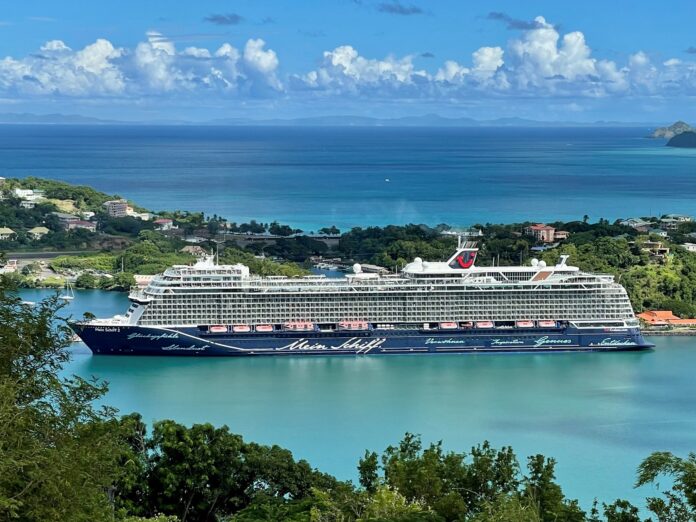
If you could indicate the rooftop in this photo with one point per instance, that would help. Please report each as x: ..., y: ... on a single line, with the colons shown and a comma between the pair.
x: 541, y: 226
x: 39, y: 230
x: 664, y: 318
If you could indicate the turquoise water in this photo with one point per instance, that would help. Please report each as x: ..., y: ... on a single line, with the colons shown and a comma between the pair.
x: 598, y: 414
x: 314, y: 177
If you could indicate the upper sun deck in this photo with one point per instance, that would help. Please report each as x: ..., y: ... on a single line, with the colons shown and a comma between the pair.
x: 459, y: 271
x: 205, y: 268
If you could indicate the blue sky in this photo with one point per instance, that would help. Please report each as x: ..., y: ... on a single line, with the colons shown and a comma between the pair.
x: 581, y: 61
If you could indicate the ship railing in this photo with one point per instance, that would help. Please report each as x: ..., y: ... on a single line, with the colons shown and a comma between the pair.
x: 117, y: 320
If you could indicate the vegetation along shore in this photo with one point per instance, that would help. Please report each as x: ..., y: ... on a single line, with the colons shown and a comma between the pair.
x: 114, y: 244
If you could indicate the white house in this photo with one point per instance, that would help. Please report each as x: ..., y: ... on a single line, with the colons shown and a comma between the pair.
x: 22, y: 193
x: 680, y: 217
x: 6, y: 233
x: 164, y: 224
x: 38, y: 232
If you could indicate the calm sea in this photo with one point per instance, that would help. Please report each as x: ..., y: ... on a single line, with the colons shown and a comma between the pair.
x: 598, y: 414
x: 312, y: 177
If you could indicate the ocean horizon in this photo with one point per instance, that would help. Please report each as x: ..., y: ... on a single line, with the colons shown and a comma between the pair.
x: 310, y: 177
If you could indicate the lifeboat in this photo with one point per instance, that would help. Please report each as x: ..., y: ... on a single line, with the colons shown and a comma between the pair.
x: 241, y: 328
x: 217, y: 328
x: 353, y: 325
x: 484, y: 324
x: 547, y: 324
x: 524, y: 324
x: 264, y: 328
x: 299, y: 326
x: 448, y: 326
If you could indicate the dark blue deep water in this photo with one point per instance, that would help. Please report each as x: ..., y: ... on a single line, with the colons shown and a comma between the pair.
x: 311, y: 177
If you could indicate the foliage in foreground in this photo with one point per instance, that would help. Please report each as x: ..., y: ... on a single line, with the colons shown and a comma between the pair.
x: 62, y: 458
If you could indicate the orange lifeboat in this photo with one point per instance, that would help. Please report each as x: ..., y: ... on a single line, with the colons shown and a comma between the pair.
x: 484, y: 324
x: 217, y: 328
x: 524, y: 324
x: 298, y: 326
x: 353, y: 325
x: 241, y: 328
x: 448, y: 326
x: 547, y: 324
x: 264, y: 328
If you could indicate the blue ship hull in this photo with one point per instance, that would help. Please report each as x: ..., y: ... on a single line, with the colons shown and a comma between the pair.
x: 142, y: 340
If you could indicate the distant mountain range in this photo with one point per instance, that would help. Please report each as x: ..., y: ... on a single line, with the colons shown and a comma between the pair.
x: 11, y: 117
x: 428, y: 120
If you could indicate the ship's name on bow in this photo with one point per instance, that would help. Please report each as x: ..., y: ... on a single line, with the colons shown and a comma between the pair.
x: 546, y: 340
x: 189, y: 348
x: 354, y: 343
x: 152, y: 336
x: 608, y: 341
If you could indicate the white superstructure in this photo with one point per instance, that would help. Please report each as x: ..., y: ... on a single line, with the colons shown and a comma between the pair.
x: 424, y: 292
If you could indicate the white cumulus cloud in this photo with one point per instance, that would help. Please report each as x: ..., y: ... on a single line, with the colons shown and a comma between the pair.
x: 153, y: 66
x: 538, y: 62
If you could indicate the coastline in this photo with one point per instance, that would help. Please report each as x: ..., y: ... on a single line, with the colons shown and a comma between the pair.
x: 668, y: 333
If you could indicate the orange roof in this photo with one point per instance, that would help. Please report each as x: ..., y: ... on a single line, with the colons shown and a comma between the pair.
x: 657, y: 314
x: 541, y: 226
x: 665, y: 317
x: 683, y: 322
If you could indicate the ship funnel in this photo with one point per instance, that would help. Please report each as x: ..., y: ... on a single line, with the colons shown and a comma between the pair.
x: 465, y: 256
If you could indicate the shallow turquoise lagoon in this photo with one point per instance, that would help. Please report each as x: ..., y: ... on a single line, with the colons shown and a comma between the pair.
x: 598, y: 414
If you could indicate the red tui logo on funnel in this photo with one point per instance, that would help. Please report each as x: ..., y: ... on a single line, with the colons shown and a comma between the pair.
x: 464, y: 260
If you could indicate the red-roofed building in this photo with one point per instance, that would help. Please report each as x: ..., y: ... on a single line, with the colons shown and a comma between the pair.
x: 664, y: 318
x: 541, y: 232
x: 164, y: 224
x: 86, y: 225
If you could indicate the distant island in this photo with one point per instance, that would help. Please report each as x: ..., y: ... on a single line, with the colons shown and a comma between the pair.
x: 345, y: 120
x: 685, y: 140
x: 673, y: 130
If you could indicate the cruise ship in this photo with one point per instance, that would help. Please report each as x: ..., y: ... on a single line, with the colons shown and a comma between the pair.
x: 209, y: 309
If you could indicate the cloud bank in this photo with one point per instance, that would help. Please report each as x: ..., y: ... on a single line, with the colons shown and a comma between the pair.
x: 153, y: 67
x: 538, y: 62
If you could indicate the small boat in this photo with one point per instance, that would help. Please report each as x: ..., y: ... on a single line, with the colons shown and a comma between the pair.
x: 524, y: 324
x: 69, y: 294
x: 448, y: 326
x: 241, y: 328
x: 467, y: 324
x: 547, y: 324
x: 484, y: 324
x: 217, y: 328
x: 29, y: 303
x: 264, y: 328
x: 353, y: 325
x: 299, y: 326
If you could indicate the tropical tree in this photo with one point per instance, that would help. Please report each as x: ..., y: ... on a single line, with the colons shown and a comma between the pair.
x: 58, y: 452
